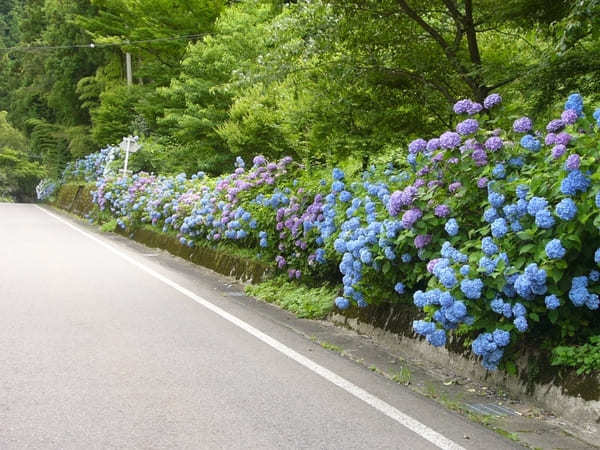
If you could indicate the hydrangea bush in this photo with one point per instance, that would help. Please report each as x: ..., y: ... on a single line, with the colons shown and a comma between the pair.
x: 491, y: 232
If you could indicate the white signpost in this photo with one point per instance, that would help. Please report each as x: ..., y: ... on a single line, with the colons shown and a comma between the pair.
x: 129, y: 144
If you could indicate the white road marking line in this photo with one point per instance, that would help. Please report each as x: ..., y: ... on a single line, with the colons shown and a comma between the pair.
x: 403, y: 419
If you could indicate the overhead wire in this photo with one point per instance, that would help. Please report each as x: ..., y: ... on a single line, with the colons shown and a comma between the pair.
x: 21, y: 48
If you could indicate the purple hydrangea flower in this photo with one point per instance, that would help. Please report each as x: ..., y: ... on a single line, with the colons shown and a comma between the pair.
x: 494, y: 143
x: 468, y: 126
x: 462, y: 106
x: 449, y: 140
x: 453, y: 187
x: 410, y: 217
x: 419, y: 182
x: 522, y: 125
x: 563, y: 138
x: 417, y: 146
x: 259, y: 161
x: 433, y: 144
x: 474, y: 108
x: 480, y: 157
x: 550, y: 139
x: 482, y: 182
x: 432, y: 263
x: 438, y: 157
x: 558, y: 151
x: 492, y: 100
x: 422, y: 240
x: 442, y: 211
x: 573, y: 162
x: 569, y: 116
x: 555, y: 125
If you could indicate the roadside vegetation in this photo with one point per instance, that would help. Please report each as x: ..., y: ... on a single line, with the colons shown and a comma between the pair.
x: 441, y: 154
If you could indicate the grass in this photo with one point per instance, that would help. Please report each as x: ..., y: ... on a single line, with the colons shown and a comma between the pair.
x: 222, y: 247
x: 305, y: 302
x: 402, y: 377
x: 110, y: 226
x: 328, y: 346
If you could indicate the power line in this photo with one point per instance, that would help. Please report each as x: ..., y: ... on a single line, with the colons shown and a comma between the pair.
x: 94, y: 45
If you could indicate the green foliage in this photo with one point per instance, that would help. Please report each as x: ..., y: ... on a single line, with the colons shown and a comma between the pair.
x: 312, y: 303
x: 585, y: 358
x: 18, y: 176
x: 110, y: 226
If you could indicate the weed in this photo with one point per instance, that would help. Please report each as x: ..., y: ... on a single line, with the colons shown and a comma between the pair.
x: 305, y: 302
x: 109, y: 226
x: 402, y: 377
x: 328, y: 346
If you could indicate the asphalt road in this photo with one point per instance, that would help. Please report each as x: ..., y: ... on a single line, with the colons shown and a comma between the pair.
x: 105, y: 344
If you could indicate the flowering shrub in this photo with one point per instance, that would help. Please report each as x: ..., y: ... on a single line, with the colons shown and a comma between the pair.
x: 93, y: 166
x: 490, y: 232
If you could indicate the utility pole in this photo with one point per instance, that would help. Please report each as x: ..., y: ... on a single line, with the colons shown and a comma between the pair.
x: 128, y: 64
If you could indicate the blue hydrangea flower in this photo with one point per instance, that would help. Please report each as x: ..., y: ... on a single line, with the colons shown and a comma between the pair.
x: 447, y: 278
x: 437, y: 338
x: 499, y: 171
x: 465, y: 270
x: 338, y: 174
x: 536, y: 204
x: 342, y: 303
x: 451, y: 227
x: 496, y: 199
x: 597, y: 256
x: 510, y: 211
x: 389, y: 253
x: 488, y: 246
x: 552, y: 302
x: 578, y: 295
x: 499, y: 227
x: 555, y: 250
x: 486, y: 264
x: 516, y: 162
x: 575, y: 102
x: 471, y: 288
x: 522, y: 190
x: 399, y: 288
x: 574, y: 182
x: 423, y: 327
x: 337, y: 186
x: 566, y: 209
x: 519, y: 310
x: 345, y: 196
x: 592, y: 302
x: 521, y: 324
x: 406, y: 258
x: 490, y: 214
x: 501, y: 337
x: 497, y: 305
x: 544, y: 219
x: 594, y: 276
x: 530, y: 143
